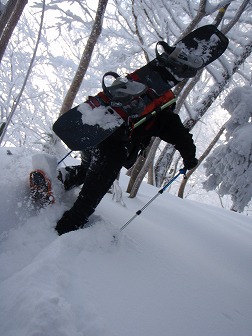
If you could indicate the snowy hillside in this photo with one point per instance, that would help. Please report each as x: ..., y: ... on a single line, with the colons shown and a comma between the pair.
x: 180, y: 269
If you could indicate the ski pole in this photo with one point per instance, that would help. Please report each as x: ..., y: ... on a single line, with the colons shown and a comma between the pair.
x: 64, y: 157
x: 181, y: 171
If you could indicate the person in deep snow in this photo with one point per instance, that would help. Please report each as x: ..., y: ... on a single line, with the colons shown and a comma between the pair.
x: 100, y: 165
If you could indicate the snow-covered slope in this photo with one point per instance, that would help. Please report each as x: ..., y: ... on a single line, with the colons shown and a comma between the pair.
x: 179, y: 269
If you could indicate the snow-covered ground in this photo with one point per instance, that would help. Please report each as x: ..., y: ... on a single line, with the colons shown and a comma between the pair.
x: 181, y: 268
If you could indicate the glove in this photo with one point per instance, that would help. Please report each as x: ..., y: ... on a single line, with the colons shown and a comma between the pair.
x: 190, y: 164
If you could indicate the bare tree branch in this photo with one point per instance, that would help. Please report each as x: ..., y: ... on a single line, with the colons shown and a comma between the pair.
x: 11, y: 23
x: 26, y: 77
x: 234, y: 20
x: 85, y: 59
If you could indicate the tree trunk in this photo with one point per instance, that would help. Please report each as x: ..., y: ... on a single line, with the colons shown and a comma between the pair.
x: 134, y: 172
x: 151, y: 150
x: 138, y: 167
x: 151, y: 174
x: 163, y: 163
x: 6, y: 14
x: 86, y: 57
x: 8, y: 22
x: 203, y: 156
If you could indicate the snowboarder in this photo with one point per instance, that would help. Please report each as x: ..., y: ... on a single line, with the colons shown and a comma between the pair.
x: 100, y: 165
x: 105, y: 150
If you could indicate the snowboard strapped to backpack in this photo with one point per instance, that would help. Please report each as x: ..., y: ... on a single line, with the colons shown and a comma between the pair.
x: 129, y: 98
x: 142, y: 93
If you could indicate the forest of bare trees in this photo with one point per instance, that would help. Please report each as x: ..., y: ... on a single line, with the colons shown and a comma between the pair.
x: 53, y: 54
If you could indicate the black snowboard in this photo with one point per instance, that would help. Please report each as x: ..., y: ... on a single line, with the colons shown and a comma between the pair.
x: 78, y: 133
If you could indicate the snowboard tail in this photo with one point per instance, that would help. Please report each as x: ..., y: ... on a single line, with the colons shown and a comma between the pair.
x: 83, y: 126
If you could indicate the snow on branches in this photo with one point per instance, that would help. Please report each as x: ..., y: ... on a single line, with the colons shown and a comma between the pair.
x: 230, y: 165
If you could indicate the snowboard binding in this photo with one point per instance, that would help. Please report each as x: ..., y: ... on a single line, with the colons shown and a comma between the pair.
x: 122, y: 89
x: 177, y: 61
x: 190, y: 59
x: 125, y: 93
x: 41, y: 188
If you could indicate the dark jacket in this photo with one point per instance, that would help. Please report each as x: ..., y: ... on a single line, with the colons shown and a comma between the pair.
x: 169, y: 128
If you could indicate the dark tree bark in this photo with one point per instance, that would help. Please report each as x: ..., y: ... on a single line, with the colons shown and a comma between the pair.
x: 203, y: 156
x: 8, y: 21
x: 85, y: 59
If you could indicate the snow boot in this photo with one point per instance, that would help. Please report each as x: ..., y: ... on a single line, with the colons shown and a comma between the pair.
x: 41, y: 188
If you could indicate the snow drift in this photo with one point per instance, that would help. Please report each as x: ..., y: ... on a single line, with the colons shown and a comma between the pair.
x: 181, y: 268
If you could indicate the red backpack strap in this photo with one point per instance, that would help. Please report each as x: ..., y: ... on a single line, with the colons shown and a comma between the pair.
x: 158, y: 101
x: 118, y: 109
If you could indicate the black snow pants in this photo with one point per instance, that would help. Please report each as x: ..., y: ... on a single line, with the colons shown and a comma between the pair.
x: 99, y: 168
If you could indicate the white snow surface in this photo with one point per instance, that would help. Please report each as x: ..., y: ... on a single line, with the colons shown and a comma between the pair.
x: 100, y: 116
x: 181, y: 268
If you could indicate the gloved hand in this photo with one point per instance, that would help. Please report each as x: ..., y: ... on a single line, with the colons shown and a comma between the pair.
x: 190, y: 164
